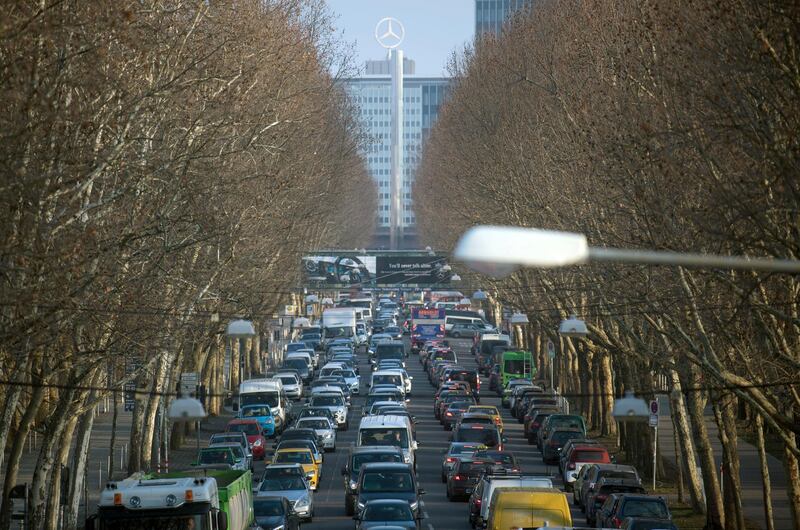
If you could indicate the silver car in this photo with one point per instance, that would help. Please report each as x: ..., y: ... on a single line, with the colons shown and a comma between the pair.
x: 351, y: 378
x: 292, y: 385
x: 284, y: 481
x: 336, y: 404
x: 322, y: 427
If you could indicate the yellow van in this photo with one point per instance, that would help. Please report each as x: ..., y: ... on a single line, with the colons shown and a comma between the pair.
x: 527, y: 507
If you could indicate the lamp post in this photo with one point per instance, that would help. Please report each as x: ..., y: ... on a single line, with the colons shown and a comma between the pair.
x: 518, y: 320
x: 500, y: 250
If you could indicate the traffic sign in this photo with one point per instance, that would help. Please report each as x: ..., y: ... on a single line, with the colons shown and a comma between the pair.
x: 551, y: 349
x: 130, y: 396
x: 654, y: 407
x: 653, y: 420
x: 189, y: 382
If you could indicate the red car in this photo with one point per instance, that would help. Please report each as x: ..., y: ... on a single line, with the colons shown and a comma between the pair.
x: 255, y: 436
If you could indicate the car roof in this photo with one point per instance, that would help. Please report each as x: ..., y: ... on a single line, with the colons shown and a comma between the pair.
x: 376, y: 449
x: 387, y: 466
x: 283, y: 466
x: 387, y: 501
x: 304, y: 418
x: 293, y: 450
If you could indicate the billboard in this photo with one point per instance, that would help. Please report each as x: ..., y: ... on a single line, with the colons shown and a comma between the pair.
x: 340, y: 269
x: 427, y: 324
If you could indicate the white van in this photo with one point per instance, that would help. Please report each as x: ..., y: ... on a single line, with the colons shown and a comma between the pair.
x: 450, y: 320
x: 265, y: 392
x: 388, y: 377
x: 406, y: 379
x: 389, y: 430
x: 491, y: 483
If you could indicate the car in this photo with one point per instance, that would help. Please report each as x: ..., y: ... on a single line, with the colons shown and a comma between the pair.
x: 275, y: 512
x: 555, y: 442
x: 533, y: 422
x: 388, y: 395
x: 467, y: 417
x: 464, y: 476
x: 487, y: 435
x: 294, y: 488
x: 324, y: 428
x: 299, y: 434
x: 490, y: 410
x: 453, y: 412
x: 391, y: 513
x: 619, y: 506
x: 388, y: 481
x: 456, y: 451
x: 394, y: 331
x: 227, y: 437
x: 242, y: 460
x: 255, y: 437
x: 560, y: 421
x: 301, y: 443
x: 336, y: 404
x: 310, y: 412
x: 262, y: 414
x: 445, y: 398
x: 579, y: 456
x: 586, y: 487
x: 301, y: 456
x: 359, y: 456
x: 351, y: 378
x: 220, y: 457
x: 607, y: 486
x: 502, y: 460
x: 295, y: 346
x: 292, y: 384
x: 527, y: 507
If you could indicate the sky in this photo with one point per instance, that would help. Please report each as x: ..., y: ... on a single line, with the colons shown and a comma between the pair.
x: 433, y: 29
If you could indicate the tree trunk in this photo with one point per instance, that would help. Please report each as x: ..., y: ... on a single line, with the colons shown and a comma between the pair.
x: 146, y: 446
x: 793, y: 481
x: 608, y: 425
x: 766, y: 484
x: 139, y: 409
x: 113, y: 441
x: 53, y: 498
x: 12, y: 470
x: 9, y: 410
x: 724, y: 414
x: 78, y: 468
x: 715, y: 517
x: 685, y: 439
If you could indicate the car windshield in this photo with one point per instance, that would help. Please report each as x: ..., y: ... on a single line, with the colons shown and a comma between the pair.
x: 267, y: 507
x: 247, y: 428
x: 387, y: 482
x: 484, y: 436
x: 314, y: 424
x: 236, y: 449
x: 388, y: 512
x: 282, y: 484
x: 495, y: 456
x: 348, y: 374
x: 216, y: 456
x: 256, y: 410
x: 645, y: 508
x: 293, y: 457
x: 590, y: 456
x: 369, y: 458
x: 385, y: 436
x: 327, y: 401
x: 288, y: 380
x: 273, y: 472
x: 561, y: 437
x: 259, y: 398
x: 616, y: 474
x: 463, y: 449
x: 298, y: 364
x: 226, y: 438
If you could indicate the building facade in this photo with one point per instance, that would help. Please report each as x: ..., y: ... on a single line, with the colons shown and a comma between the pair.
x: 422, y: 98
x: 491, y: 14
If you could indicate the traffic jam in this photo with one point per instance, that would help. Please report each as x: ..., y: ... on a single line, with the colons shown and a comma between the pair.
x: 394, y: 413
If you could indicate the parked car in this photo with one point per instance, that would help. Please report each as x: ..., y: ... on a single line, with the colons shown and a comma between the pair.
x: 646, y: 523
x: 608, y: 486
x: 387, y: 513
x: 618, y: 506
x: 594, y: 473
x: 555, y: 442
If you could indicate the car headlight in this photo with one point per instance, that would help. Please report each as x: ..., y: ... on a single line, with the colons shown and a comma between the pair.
x: 269, y: 420
x: 414, y: 505
x: 257, y: 443
x: 302, y: 502
x: 353, y: 484
x: 328, y: 434
x: 361, y: 505
x: 407, y: 459
x: 280, y: 527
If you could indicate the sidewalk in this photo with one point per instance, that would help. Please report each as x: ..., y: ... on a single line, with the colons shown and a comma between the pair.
x: 752, y: 493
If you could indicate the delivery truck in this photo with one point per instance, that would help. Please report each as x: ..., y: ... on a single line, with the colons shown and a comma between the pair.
x: 338, y: 322
x: 198, y: 500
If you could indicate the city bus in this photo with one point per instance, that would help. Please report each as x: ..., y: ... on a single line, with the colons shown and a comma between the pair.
x: 517, y: 365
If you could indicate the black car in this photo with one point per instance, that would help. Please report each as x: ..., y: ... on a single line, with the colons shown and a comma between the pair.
x: 358, y: 457
x: 300, y: 366
x: 275, y: 512
x: 619, y: 506
x: 464, y: 476
x: 301, y: 434
x: 388, y: 481
x: 471, y: 377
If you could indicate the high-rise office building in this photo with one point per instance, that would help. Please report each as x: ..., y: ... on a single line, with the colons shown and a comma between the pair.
x: 422, y: 97
x: 491, y: 14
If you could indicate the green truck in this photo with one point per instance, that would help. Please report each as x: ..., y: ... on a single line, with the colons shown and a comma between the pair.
x: 205, y: 499
x: 516, y: 365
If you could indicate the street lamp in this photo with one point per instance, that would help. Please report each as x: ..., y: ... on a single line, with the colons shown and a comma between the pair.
x: 573, y: 327
x: 479, y: 295
x: 500, y: 250
x: 455, y: 278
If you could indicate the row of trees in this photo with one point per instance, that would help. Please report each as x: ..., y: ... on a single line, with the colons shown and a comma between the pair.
x: 659, y: 125
x: 160, y: 162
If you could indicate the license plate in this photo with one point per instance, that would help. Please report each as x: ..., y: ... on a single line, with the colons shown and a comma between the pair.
x: 468, y: 490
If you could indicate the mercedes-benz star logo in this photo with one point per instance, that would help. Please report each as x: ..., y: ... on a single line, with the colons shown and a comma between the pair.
x: 389, y: 32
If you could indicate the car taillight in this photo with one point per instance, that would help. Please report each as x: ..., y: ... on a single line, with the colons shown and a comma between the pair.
x: 458, y: 477
x: 571, y: 466
x: 616, y: 522
x: 451, y: 459
x: 477, y: 501
x: 449, y: 413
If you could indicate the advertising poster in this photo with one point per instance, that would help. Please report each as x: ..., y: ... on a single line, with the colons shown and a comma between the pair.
x: 427, y: 324
x: 339, y: 270
x: 396, y: 270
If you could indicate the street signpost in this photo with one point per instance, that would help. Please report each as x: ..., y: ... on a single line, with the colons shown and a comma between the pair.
x: 551, y: 353
x: 189, y: 381
x: 654, y: 425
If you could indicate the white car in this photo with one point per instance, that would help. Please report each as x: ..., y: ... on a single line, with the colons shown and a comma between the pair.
x: 322, y: 427
x: 351, y: 378
x: 292, y: 385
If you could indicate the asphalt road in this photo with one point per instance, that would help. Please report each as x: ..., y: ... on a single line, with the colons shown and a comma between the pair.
x: 440, y: 513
